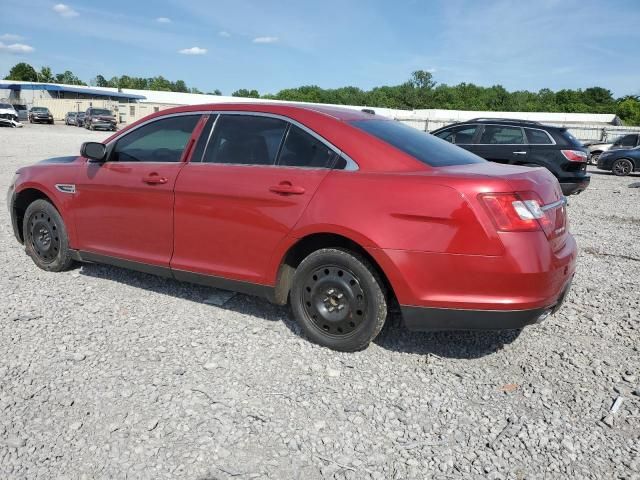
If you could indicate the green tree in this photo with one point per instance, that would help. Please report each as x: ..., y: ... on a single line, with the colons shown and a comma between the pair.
x: 68, y: 78
x: 23, y: 72
x: 243, y: 92
x: 45, y: 75
x: 215, y: 92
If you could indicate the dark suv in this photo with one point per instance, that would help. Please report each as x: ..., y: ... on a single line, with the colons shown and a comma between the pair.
x: 520, y: 142
x: 99, y: 118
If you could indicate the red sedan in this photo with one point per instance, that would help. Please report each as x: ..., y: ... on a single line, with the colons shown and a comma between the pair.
x: 339, y: 212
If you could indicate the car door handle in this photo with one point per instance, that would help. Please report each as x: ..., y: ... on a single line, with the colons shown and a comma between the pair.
x: 154, y: 179
x: 519, y: 153
x: 286, y: 188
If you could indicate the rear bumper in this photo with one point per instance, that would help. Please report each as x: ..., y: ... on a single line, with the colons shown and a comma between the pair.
x: 573, y: 187
x: 423, y: 319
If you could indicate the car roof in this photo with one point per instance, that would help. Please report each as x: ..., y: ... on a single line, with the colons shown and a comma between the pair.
x: 505, y: 121
x: 338, y: 113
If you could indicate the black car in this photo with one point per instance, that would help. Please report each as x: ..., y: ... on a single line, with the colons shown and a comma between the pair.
x: 99, y: 118
x: 520, y: 142
x: 79, y: 120
x: 40, y: 115
x: 621, y: 161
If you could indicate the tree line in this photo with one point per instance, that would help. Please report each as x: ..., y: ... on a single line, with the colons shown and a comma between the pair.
x: 418, y: 92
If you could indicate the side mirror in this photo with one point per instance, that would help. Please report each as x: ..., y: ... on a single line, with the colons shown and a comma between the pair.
x: 94, y: 151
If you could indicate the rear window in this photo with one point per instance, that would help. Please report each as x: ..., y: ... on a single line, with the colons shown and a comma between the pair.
x: 570, y: 139
x: 422, y: 146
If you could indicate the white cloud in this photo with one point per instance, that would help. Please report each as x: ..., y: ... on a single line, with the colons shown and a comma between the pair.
x: 193, y: 51
x: 16, y: 48
x: 163, y: 20
x: 224, y: 34
x: 10, y: 37
x: 265, y: 40
x: 65, y: 10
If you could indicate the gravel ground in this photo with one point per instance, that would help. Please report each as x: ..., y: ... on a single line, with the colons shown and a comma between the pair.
x: 107, y: 373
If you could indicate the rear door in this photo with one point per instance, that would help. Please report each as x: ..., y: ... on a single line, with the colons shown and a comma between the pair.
x: 502, y: 144
x: 256, y: 176
x: 124, y: 207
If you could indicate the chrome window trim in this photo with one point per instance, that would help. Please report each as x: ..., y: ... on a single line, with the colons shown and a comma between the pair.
x: 553, y: 142
x: 352, y: 165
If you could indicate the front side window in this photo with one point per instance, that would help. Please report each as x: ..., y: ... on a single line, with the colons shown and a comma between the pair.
x: 626, y: 141
x: 422, y: 146
x: 538, y: 137
x: 447, y: 135
x: 159, y: 141
x: 500, y: 135
x: 464, y: 136
x: 303, y: 150
x: 245, y: 140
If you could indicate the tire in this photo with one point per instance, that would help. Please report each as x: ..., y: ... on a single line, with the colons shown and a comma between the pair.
x: 595, y: 156
x: 622, y: 167
x: 45, y: 237
x: 338, y: 299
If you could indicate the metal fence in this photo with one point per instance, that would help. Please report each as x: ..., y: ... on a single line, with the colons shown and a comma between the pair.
x: 582, y: 131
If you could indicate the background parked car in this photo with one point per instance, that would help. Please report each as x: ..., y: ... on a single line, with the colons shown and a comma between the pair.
x: 8, y: 115
x: 23, y: 112
x: 625, y: 141
x: 70, y: 118
x: 80, y: 119
x: 520, y: 142
x: 99, y: 118
x: 621, y: 161
x: 40, y: 115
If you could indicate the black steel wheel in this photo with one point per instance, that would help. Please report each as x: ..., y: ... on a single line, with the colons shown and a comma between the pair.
x: 339, y: 299
x: 45, y: 237
x: 622, y: 167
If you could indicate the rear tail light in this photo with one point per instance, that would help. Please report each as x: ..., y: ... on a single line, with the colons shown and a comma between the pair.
x: 516, y: 212
x: 574, y: 155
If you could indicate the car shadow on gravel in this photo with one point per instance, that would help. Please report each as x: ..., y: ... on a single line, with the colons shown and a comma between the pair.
x: 394, y: 337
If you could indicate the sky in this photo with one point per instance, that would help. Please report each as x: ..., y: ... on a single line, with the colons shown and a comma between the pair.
x: 270, y: 45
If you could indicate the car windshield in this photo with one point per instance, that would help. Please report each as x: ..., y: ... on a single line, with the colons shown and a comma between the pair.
x: 39, y: 109
x: 422, y: 146
x: 6, y: 105
x: 71, y: 114
x: 99, y: 111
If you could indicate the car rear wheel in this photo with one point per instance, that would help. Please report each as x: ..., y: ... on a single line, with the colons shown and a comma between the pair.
x: 622, y: 167
x: 595, y: 156
x: 338, y: 299
x: 45, y: 237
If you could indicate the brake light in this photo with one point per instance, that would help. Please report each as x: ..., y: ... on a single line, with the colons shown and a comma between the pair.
x: 574, y: 155
x: 516, y: 212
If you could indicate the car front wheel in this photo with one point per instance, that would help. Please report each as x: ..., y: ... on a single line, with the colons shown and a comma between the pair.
x: 45, y: 237
x: 339, y: 299
x: 622, y: 167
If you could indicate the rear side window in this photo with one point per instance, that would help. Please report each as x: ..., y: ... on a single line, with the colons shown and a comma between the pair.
x: 303, y: 150
x: 537, y: 137
x: 159, y: 141
x: 501, y: 135
x: 422, y: 146
x: 245, y: 140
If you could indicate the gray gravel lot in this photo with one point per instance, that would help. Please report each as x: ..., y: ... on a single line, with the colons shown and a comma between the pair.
x: 107, y: 373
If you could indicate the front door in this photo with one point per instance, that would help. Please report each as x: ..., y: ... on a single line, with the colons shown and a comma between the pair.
x: 124, y: 206
x: 232, y: 209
